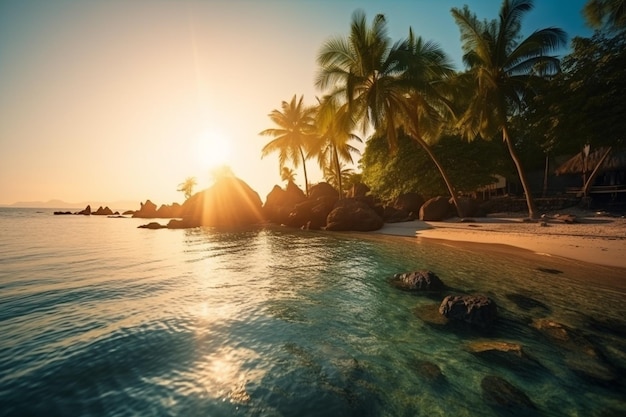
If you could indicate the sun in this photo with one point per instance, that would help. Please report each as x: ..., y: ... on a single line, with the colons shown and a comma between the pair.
x: 213, y: 149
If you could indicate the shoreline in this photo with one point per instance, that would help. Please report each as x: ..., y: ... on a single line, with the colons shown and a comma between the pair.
x: 593, y: 239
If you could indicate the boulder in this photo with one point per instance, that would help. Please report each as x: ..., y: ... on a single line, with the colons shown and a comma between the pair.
x: 409, y: 203
x: 57, y: 213
x: 312, y: 213
x: 322, y: 189
x: 477, y: 310
x: 429, y: 371
x: 229, y: 203
x: 435, y: 209
x: 394, y: 215
x: 470, y: 207
x: 421, y: 280
x: 358, y: 190
x: 280, y: 203
x: 352, y: 214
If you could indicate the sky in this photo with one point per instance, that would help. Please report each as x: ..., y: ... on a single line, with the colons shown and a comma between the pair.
x: 123, y: 100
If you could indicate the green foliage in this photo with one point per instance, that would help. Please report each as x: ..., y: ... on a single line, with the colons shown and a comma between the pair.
x: 584, y: 104
x: 409, y: 169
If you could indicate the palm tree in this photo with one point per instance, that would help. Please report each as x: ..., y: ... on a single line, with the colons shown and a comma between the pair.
x: 388, y: 86
x: 501, y: 69
x: 293, y: 136
x: 187, y: 186
x: 334, y: 125
x: 605, y: 13
x: 287, y: 174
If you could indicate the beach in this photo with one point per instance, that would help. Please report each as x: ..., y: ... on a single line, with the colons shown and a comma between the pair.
x: 592, y: 237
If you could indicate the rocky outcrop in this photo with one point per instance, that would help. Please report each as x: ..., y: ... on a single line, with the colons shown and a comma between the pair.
x: 147, y: 210
x: 352, y: 214
x: 103, y: 211
x: 421, y: 280
x: 86, y: 211
x: 436, y: 209
x: 280, y: 203
x: 313, y: 212
x: 229, y: 203
x: 478, y: 310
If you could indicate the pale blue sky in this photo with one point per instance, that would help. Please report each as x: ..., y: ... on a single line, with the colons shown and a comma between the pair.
x: 109, y: 100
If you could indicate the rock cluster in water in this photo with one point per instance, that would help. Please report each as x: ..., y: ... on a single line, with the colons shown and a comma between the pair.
x: 477, y: 315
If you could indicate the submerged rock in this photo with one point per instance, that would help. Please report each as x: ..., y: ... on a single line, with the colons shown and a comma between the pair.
x: 502, y: 395
x: 421, y: 280
x: 477, y: 310
x: 429, y: 371
x: 506, y: 354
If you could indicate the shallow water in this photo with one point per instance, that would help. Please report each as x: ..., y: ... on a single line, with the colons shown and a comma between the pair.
x: 101, y: 318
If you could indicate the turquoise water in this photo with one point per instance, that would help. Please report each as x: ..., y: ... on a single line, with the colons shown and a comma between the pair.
x: 100, y: 318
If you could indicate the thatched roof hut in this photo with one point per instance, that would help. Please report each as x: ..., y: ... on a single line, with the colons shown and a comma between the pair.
x: 616, y: 161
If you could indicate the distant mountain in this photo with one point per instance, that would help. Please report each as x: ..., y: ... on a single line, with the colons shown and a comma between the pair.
x: 59, y: 204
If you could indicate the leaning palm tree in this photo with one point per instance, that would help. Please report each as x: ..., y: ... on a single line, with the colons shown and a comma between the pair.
x: 335, y: 125
x: 502, y: 67
x: 388, y: 86
x: 187, y: 186
x: 293, y: 136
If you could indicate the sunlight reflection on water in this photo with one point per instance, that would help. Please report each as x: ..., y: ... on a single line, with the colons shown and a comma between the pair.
x: 278, y: 322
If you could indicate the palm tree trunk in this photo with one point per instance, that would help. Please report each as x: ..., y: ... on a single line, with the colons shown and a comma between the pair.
x: 338, y: 171
x: 306, y: 179
x: 432, y: 156
x: 594, y: 174
x: 532, y: 210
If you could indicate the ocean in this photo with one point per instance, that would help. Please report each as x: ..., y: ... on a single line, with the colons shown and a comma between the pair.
x: 100, y: 318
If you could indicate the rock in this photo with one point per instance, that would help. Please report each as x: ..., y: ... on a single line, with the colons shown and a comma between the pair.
x: 351, y: 214
x: 581, y: 356
x: 477, y: 310
x: 280, y: 203
x: 409, y: 203
x: 229, y: 203
x: 312, y: 213
x: 429, y: 314
x: 429, y: 371
x: 147, y: 210
x: 106, y: 211
x: 501, y: 394
x: 470, y: 207
x: 421, y: 280
x: 510, y: 355
x: 322, y: 189
x: 86, y: 211
x: 435, y: 209
x: 527, y: 303
x: 565, y: 337
x: 358, y: 190
x: 152, y: 225
x: 394, y: 215
x: 57, y: 213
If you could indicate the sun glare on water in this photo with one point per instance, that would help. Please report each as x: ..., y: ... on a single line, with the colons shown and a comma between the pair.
x: 213, y: 150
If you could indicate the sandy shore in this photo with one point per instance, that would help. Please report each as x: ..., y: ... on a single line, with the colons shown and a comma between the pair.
x: 594, y: 237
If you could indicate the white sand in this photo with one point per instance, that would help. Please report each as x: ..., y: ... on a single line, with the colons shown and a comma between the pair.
x: 594, y: 239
